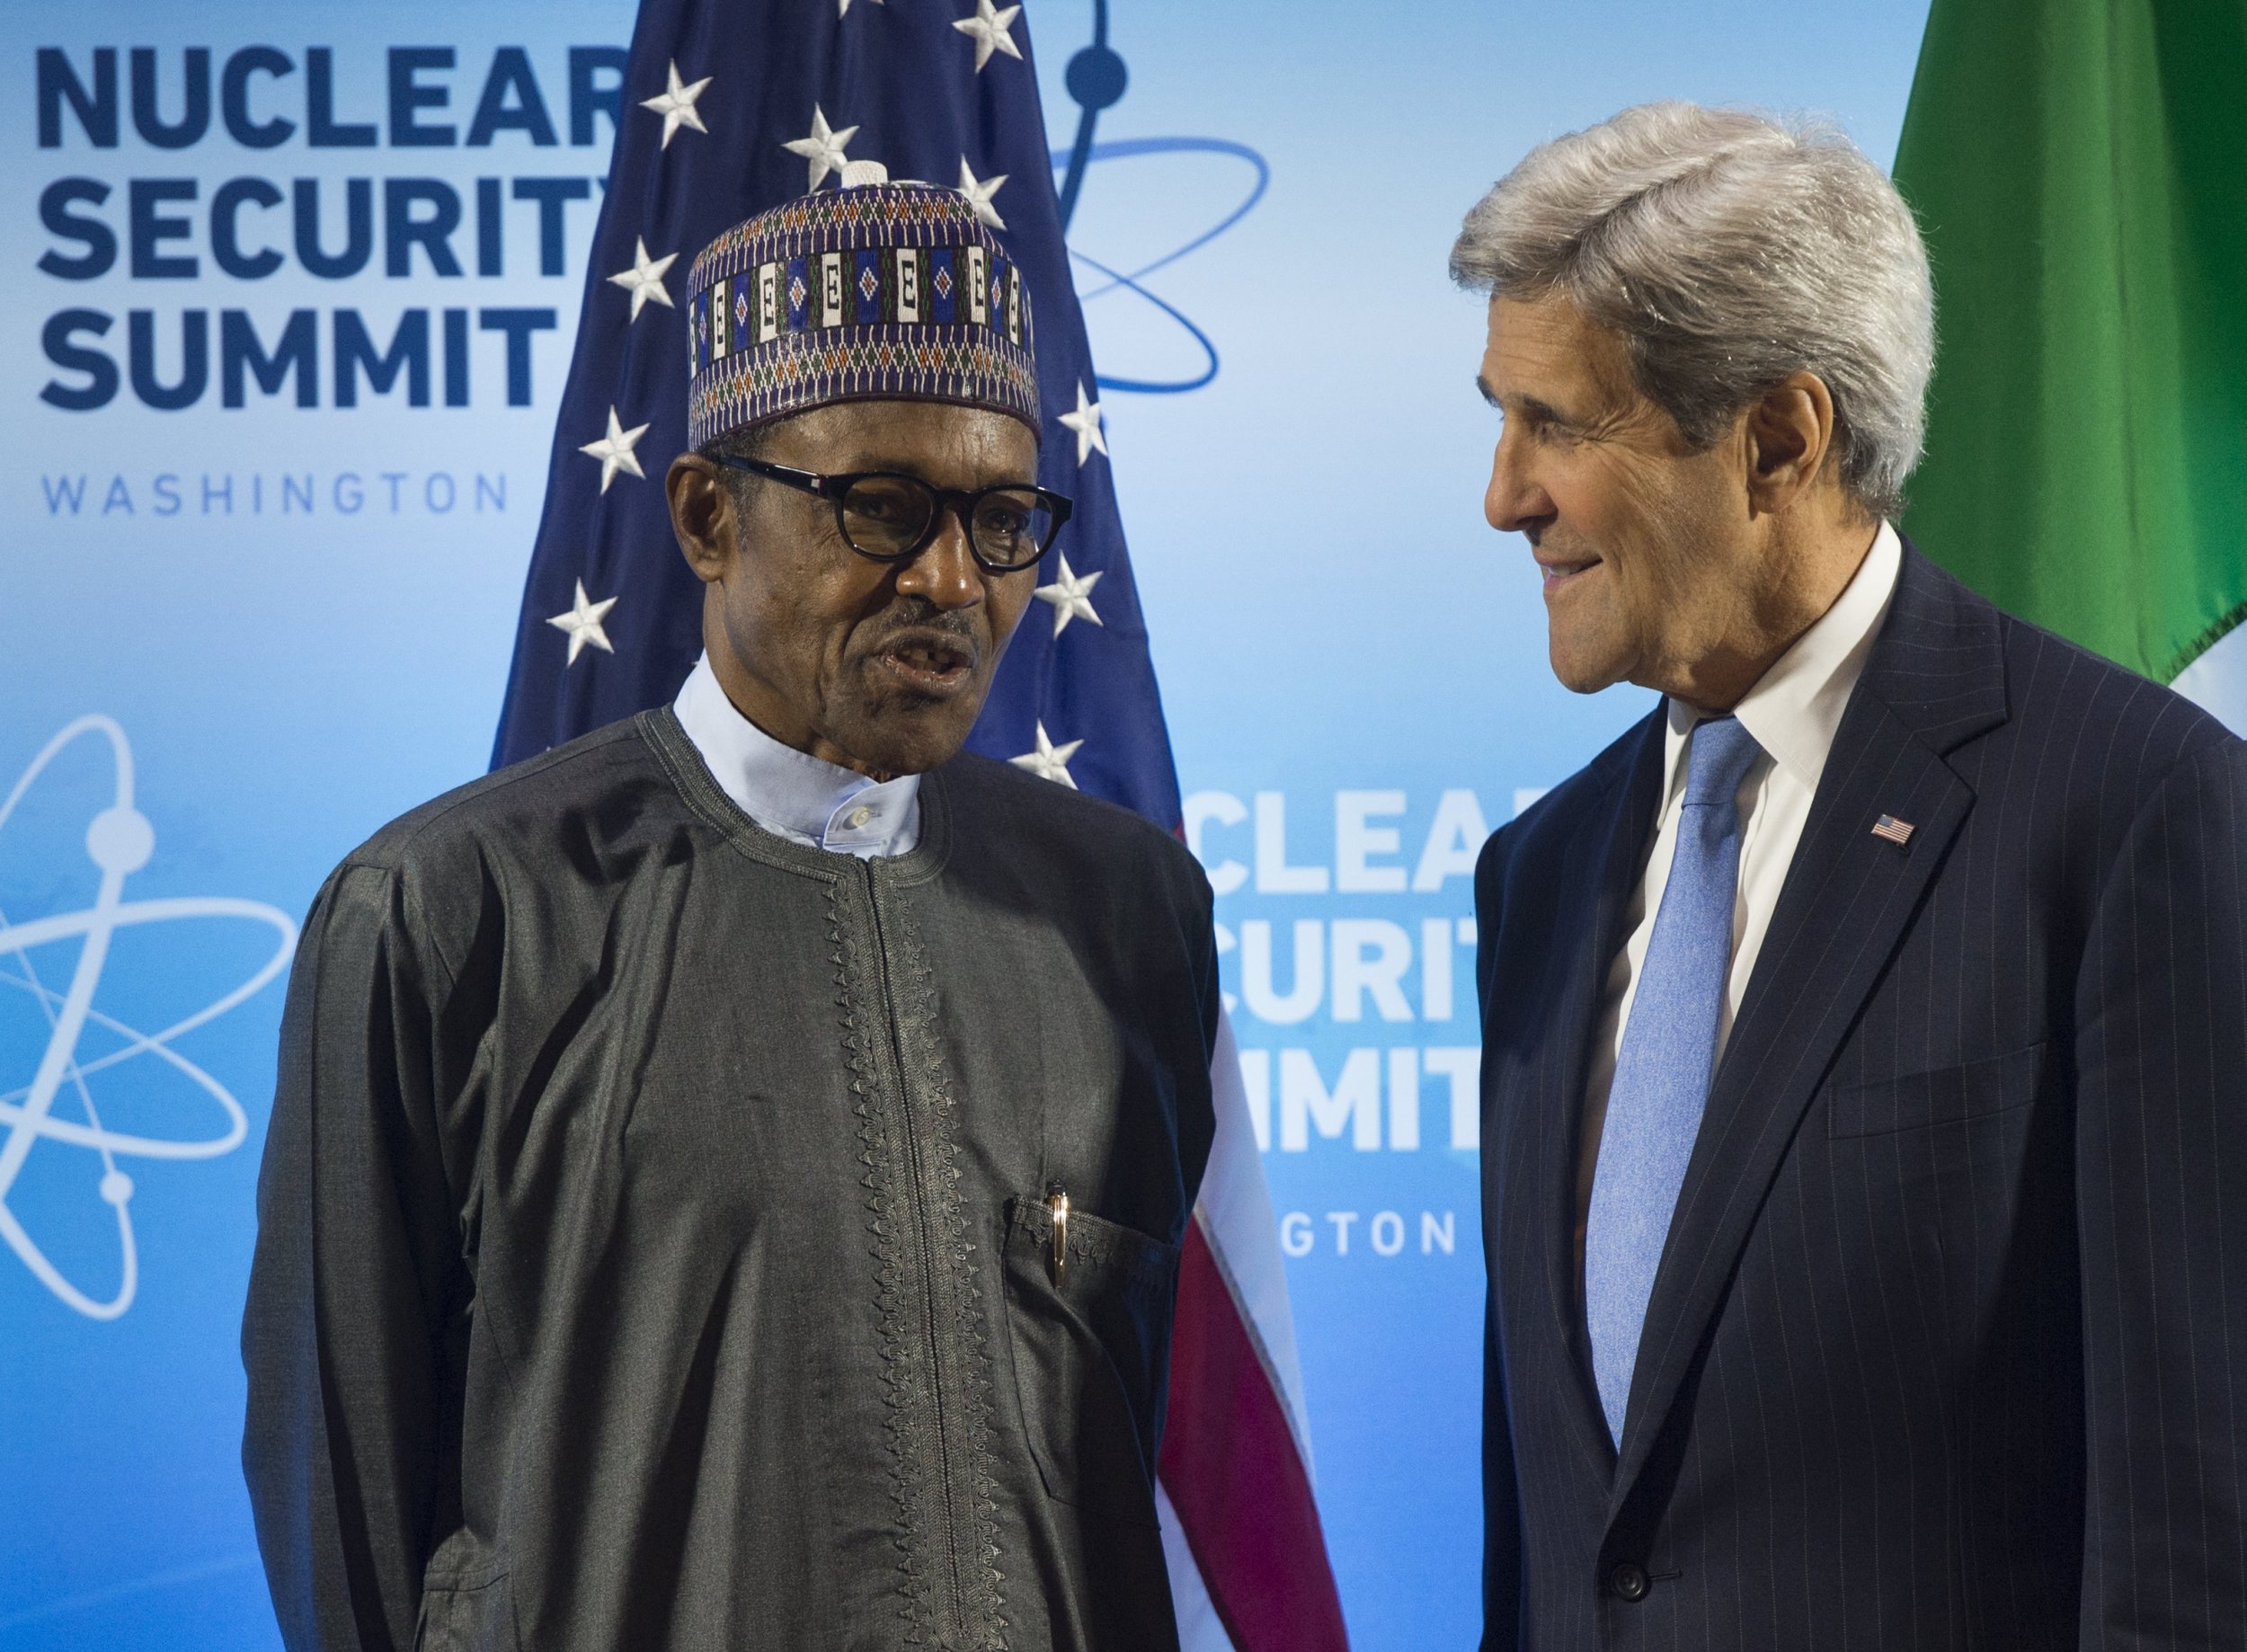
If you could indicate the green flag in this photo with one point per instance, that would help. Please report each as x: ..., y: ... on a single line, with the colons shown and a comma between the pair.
x: 2079, y: 169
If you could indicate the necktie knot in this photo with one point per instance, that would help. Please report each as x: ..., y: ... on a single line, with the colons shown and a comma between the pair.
x: 1722, y: 753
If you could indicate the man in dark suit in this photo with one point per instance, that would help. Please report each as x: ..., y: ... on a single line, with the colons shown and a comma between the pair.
x: 1865, y: 1032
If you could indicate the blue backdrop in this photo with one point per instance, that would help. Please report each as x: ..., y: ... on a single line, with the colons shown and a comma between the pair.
x: 276, y: 384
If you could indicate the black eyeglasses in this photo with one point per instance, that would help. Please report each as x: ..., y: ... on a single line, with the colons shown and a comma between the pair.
x: 891, y: 518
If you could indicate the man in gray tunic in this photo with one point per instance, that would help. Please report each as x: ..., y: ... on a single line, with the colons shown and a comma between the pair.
x: 727, y: 1174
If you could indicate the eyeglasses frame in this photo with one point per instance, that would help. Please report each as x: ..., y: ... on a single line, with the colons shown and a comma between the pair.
x: 960, y: 501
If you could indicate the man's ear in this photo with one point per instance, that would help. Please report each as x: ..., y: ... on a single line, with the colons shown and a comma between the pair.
x: 703, y: 515
x: 1789, y: 433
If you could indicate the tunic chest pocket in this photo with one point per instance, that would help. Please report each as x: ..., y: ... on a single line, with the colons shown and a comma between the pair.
x: 1950, y: 1094
x: 466, y: 1614
x: 1089, y: 1356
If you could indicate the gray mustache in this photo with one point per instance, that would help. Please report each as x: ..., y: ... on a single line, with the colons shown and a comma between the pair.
x: 926, y: 619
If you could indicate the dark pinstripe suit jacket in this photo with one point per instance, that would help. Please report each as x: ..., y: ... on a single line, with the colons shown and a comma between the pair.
x: 1949, y: 1345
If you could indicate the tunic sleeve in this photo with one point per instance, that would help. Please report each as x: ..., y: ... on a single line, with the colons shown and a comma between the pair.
x: 1205, y: 959
x: 356, y: 1280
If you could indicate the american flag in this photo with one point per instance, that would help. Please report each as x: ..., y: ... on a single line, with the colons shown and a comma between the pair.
x: 1898, y: 832
x: 733, y: 106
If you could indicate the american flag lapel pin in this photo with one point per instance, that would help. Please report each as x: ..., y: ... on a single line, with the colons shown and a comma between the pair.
x: 1898, y: 832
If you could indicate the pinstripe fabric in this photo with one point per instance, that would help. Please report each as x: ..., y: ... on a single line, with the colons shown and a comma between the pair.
x: 1942, y: 1349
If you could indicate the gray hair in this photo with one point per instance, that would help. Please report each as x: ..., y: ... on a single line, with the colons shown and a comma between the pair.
x: 1729, y: 250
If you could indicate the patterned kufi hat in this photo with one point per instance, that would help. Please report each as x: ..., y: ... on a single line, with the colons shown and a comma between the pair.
x: 884, y: 291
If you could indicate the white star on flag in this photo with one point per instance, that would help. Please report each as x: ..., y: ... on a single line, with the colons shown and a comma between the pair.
x: 614, y: 450
x: 823, y: 148
x: 988, y: 28
x: 1049, y: 762
x: 582, y: 622
x: 1086, y: 422
x: 644, y: 280
x: 979, y: 194
x: 1072, y: 597
x: 676, y: 105
x: 842, y: 7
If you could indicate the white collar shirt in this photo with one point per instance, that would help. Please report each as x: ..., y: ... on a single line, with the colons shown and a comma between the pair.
x: 1793, y: 712
x: 791, y: 794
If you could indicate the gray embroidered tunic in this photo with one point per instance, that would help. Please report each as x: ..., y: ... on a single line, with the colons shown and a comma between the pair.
x: 654, y: 1244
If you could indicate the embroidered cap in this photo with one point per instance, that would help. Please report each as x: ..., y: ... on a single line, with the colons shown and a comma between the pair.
x: 884, y: 291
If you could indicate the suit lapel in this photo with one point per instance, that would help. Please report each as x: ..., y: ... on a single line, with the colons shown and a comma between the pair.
x: 1601, y: 871
x: 1936, y: 677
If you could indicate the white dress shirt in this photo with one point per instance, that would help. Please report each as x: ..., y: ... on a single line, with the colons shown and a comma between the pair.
x: 791, y: 794
x: 1792, y: 711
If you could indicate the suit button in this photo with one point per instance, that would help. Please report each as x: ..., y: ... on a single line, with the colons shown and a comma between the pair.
x: 1628, y: 1582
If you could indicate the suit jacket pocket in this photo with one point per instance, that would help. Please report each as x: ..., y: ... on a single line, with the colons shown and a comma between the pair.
x: 1091, y: 1355
x: 1947, y: 1096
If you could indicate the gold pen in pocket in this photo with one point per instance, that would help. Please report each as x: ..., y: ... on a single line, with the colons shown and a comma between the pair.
x: 1057, y: 1203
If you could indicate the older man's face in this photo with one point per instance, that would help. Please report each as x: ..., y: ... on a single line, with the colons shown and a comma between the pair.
x: 878, y: 667
x: 1643, y: 545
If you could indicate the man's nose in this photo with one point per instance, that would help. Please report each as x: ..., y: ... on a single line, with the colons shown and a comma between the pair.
x: 1515, y: 501
x: 944, y: 573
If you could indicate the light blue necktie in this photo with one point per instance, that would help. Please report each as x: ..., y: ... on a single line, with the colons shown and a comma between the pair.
x: 1668, y: 1054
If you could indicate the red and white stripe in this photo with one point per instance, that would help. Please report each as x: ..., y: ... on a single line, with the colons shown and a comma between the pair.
x: 1248, y: 1560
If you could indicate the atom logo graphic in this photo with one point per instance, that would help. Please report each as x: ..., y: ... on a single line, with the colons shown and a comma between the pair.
x: 1096, y: 80
x: 118, y: 842
x: 1129, y: 282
